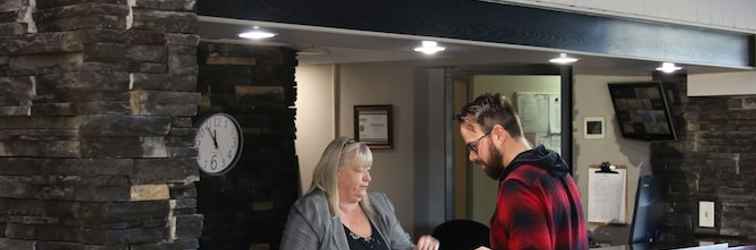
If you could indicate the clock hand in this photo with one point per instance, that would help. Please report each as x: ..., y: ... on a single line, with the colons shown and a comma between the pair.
x: 212, y: 135
x: 215, y: 132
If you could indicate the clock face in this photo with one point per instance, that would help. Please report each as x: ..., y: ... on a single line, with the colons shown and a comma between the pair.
x: 218, y: 141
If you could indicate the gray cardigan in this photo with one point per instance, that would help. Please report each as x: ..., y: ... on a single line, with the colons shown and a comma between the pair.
x: 311, y: 226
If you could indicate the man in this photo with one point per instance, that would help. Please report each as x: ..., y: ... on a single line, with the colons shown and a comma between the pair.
x: 538, y: 204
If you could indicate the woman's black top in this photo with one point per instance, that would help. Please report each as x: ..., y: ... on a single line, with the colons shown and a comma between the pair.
x: 372, y: 242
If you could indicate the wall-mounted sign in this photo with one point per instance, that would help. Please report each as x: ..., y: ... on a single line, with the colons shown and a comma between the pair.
x: 373, y: 126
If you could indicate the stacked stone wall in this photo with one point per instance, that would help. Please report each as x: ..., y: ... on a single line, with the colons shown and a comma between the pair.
x: 713, y: 160
x: 96, y: 138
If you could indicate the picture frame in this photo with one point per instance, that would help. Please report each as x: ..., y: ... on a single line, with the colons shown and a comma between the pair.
x: 594, y: 127
x: 373, y: 125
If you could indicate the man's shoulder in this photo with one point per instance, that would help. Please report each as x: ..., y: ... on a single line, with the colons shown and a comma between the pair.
x: 527, y: 174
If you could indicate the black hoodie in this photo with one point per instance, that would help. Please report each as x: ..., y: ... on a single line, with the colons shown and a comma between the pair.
x: 539, y: 157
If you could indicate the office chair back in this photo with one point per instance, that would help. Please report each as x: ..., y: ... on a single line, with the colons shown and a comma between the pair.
x: 461, y: 234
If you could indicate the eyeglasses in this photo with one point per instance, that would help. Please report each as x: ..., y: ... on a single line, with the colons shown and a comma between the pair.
x: 473, y: 146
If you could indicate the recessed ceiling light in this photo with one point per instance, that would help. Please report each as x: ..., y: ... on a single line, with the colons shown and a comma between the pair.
x: 668, y: 68
x: 563, y: 59
x: 429, y: 48
x: 257, y: 34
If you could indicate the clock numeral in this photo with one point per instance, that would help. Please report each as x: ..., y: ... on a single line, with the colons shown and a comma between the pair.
x: 214, y: 163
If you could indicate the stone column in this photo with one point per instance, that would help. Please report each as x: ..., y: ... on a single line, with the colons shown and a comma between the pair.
x: 96, y: 138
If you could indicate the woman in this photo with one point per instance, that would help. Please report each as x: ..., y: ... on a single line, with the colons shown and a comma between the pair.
x: 339, y: 213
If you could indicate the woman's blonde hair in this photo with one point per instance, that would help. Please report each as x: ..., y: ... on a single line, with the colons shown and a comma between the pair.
x: 341, y: 152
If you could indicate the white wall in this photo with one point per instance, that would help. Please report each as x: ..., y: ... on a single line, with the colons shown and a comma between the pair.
x: 315, y: 117
x: 737, y: 83
x: 734, y: 15
x: 484, y: 189
x: 385, y: 83
x: 592, y: 99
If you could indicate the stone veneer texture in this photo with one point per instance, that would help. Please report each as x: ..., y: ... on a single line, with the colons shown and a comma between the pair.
x: 713, y: 160
x: 96, y: 138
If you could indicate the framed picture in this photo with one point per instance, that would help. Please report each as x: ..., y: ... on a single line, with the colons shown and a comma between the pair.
x: 594, y: 128
x: 373, y: 125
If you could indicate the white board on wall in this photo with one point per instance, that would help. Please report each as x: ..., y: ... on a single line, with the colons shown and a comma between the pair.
x: 607, y: 196
x: 531, y: 107
x: 540, y: 112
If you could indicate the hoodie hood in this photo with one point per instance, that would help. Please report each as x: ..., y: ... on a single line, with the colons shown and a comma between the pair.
x: 539, y: 157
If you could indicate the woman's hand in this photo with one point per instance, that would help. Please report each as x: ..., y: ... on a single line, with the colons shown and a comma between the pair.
x: 426, y: 242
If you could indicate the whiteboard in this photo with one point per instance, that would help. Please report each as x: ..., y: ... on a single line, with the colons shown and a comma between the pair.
x: 606, y: 196
x: 540, y: 116
x: 534, y: 109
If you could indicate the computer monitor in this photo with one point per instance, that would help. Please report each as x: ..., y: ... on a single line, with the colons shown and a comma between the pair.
x: 642, y: 111
x: 647, y: 213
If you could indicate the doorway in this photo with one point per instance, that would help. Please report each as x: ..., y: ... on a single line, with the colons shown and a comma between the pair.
x: 542, y: 96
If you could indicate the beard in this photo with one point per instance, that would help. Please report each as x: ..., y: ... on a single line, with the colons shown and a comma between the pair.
x: 492, y: 167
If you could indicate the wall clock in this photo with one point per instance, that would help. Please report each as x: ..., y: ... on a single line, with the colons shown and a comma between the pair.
x: 219, y: 142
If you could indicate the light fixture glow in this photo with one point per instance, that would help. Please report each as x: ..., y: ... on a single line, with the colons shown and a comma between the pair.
x: 429, y: 48
x: 668, y: 68
x: 563, y: 59
x: 257, y: 34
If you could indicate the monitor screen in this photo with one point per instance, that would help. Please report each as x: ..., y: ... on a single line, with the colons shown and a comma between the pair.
x: 642, y: 111
x: 647, y: 213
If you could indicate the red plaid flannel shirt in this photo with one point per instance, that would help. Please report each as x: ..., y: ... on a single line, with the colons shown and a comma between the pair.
x: 535, y: 210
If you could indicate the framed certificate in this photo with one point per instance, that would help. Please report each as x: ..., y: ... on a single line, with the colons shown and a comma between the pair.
x: 373, y: 125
